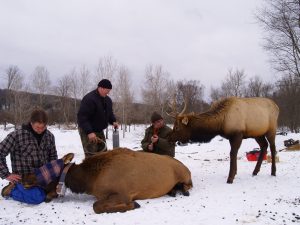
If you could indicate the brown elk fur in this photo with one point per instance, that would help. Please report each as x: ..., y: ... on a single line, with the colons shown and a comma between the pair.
x: 118, y: 177
x: 234, y: 119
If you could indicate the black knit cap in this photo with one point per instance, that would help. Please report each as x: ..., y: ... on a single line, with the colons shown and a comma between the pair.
x: 155, y: 117
x: 104, y: 83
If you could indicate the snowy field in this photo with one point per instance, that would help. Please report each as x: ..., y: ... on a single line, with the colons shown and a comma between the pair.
x: 263, y: 199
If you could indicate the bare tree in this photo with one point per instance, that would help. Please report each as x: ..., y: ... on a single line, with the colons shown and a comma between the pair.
x: 63, y: 90
x: 280, y: 21
x: 22, y: 104
x: 41, y: 82
x: 267, y: 90
x: 124, y: 97
x: 16, y: 104
x: 84, y: 79
x: 15, y: 96
x: 17, y: 100
x: 106, y: 68
x: 74, y: 87
x: 14, y: 78
x: 234, y: 83
x: 288, y: 99
x: 154, y: 90
x: 257, y: 88
x: 215, y: 93
x: 192, y: 92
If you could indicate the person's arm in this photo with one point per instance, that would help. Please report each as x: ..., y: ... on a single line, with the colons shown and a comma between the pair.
x: 53, y: 151
x: 85, y: 112
x: 165, y: 146
x: 111, y: 116
x: 145, y: 142
x: 6, y: 147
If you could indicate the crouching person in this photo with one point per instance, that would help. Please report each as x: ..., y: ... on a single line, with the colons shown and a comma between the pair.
x: 156, y: 137
x: 29, y: 147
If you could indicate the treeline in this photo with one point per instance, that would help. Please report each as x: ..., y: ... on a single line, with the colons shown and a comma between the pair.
x: 17, y: 106
x: 157, y: 93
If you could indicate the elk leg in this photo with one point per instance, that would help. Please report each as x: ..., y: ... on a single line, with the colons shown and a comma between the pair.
x: 271, y: 139
x: 186, y: 187
x: 263, y: 144
x: 114, y: 203
x: 182, y: 187
x: 235, y: 143
x: 51, y: 191
x: 172, y: 193
x: 51, y: 195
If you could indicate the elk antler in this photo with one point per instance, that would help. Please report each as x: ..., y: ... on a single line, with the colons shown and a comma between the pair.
x: 171, y: 114
x: 173, y: 107
x: 184, y: 108
x: 174, y: 113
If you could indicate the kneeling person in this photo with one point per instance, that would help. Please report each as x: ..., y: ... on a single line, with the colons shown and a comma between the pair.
x: 29, y: 147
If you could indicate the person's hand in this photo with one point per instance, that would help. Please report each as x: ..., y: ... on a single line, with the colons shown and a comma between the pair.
x: 154, y: 138
x: 13, y: 178
x: 115, y: 125
x: 92, y: 137
x: 150, y: 147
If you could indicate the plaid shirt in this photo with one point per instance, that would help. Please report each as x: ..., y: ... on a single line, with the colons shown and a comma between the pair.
x: 25, y: 153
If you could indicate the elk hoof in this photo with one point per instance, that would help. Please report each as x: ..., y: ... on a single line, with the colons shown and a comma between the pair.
x: 229, y: 181
x: 186, y: 193
x: 172, y: 193
x: 47, y: 200
x: 136, y: 205
x: 254, y: 173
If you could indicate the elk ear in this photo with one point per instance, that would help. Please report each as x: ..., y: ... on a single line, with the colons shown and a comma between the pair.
x: 68, y: 158
x: 185, y: 120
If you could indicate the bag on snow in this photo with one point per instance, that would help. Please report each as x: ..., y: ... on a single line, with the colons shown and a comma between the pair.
x: 35, y: 195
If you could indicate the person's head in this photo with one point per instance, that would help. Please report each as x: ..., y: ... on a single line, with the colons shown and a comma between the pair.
x: 104, y: 87
x: 157, y: 120
x: 38, y: 120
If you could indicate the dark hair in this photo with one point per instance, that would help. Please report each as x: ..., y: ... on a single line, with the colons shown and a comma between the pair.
x: 39, y: 115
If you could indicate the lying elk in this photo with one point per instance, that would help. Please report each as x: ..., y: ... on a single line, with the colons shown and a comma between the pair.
x: 119, y: 177
x: 234, y: 119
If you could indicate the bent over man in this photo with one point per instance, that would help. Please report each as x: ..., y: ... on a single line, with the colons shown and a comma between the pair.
x: 94, y: 114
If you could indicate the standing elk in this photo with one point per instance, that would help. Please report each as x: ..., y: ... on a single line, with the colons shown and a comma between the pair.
x: 234, y: 119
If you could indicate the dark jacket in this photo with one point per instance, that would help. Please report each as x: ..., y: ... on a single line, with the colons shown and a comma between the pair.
x: 95, y: 112
x: 163, y: 146
x: 25, y: 152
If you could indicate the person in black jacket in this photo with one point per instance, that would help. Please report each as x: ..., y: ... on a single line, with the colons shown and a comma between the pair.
x: 94, y: 115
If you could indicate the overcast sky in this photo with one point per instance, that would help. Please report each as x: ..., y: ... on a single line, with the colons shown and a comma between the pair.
x: 191, y: 39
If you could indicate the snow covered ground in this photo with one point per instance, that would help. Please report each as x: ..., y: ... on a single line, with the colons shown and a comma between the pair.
x: 263, y: 199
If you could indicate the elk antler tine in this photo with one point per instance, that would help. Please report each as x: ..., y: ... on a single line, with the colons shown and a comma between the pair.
x: 184, y: 108
x: 171, y: 115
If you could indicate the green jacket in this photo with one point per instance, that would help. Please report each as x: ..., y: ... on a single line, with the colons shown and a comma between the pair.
x: 163, y: 146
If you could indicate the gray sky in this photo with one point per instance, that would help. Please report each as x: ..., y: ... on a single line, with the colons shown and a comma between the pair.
x: 191, y: 39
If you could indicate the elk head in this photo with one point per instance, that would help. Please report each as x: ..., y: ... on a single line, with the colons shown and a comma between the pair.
x: 180, y: 132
